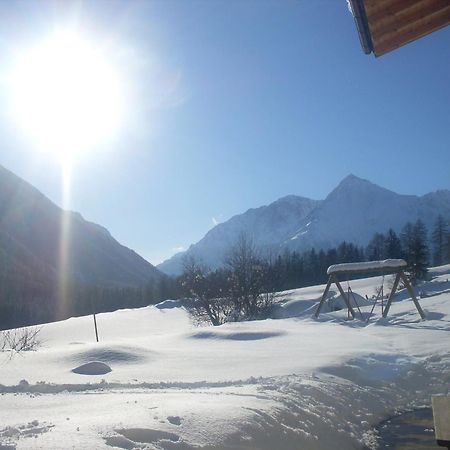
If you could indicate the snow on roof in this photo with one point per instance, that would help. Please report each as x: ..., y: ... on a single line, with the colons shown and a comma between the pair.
x: 387, y: 264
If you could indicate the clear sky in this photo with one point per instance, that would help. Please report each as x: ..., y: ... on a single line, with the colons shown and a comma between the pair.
x: 231, y: 105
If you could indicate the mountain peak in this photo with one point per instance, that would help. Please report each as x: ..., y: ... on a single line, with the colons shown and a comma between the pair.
x: 353, y: 185
x: 353, y: 180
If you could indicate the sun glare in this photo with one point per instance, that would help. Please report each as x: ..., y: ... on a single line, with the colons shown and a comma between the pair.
x: 66, y: 95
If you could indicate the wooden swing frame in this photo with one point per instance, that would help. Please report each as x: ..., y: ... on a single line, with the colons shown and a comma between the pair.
x: 372, y: 266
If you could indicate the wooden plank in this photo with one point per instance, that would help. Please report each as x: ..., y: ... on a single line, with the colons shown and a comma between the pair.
x: 441, y: 415
x: 413, y: 25
x: 405, y: 18
x: 378, y: 9
x: 426, y: 26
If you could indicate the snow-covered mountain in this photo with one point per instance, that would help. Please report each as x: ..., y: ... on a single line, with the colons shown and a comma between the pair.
x: 268, y: 226
x: 357, y: 208
x: 353, y: 211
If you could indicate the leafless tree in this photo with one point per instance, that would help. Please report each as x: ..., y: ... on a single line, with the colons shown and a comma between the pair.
x: 207, y: 302
x: 242, y: 290
x: 250, y: 285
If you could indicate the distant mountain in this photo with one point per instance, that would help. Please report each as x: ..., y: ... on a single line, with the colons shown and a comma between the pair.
x: 353, y: 211
x: 268, y: 226
x: 30, y: 237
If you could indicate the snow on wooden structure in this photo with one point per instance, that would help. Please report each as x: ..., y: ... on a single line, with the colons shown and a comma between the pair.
x: 441, y: 415
x: 387, y: 266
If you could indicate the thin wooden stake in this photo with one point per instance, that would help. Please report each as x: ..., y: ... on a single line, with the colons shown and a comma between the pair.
x: 95, y: 325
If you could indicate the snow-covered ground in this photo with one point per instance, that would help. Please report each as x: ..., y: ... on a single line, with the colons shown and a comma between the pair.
x: 291, y: 382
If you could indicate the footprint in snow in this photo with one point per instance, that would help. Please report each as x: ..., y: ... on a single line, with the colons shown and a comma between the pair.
x: 11, y: 434
x: 174, y: 420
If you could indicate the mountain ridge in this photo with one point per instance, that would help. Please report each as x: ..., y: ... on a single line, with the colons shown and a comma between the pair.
x: 353, y: 211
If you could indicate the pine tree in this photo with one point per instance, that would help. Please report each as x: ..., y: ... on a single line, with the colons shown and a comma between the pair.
x: 376, y: 247
x: 415, y: 248
x: 440, y: 241
x: 393, y: 247
x: 406, y: 239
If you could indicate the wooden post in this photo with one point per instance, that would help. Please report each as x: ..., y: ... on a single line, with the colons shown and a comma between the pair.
x: 95, y: 319
x: 411, y: 293
x: 324, y: 296
x: 95, y: 326
x: 391, y: 295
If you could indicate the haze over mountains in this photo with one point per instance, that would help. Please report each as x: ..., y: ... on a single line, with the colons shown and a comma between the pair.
x: 30, y: 233
x: 353, y: 211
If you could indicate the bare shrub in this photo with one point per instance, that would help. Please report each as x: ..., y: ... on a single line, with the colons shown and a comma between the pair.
x: 242, y: 290
x: 20, y: 340
x: 206, y: 301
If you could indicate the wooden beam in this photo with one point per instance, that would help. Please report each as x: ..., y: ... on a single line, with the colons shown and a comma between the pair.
x: 336, y: 281
x: 394, y: 23
x: 411, y: 293
x: 391, y: 295
x: 324, y: 297
x: 378, y: 9
x: 427, y: 25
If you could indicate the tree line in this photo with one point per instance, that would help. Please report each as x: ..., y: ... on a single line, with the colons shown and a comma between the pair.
x: 29, y: 300
x: 244, y: 287
x: 246, y: 282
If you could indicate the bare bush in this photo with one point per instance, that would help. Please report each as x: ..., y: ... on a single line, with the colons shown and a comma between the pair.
x: 243, y: 290
x: 250, y: 283
x: 20, y: 340
x: 205, y: 290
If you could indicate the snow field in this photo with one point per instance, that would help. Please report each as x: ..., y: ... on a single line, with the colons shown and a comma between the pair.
x: 285, y: 383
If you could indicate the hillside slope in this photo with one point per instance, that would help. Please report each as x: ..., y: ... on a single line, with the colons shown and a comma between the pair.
x: 30, y: 242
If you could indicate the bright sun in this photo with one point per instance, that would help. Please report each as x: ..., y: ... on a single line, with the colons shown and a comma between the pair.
x: 66, y: 95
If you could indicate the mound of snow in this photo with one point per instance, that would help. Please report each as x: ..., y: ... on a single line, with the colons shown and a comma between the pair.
x: 169, y: 304
x: 237, y: 336
x: 337, y: 303
x: 293, y: 308
x: 119, y: 354
x: 92, y: 368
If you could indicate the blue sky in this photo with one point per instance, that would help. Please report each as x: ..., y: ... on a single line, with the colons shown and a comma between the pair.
x: 234, y: 104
